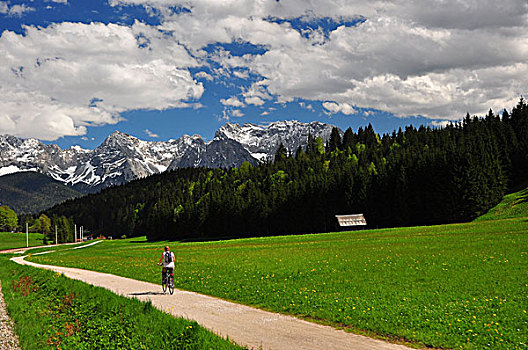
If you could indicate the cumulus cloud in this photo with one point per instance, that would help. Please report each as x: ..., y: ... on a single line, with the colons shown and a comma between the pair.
x: 204, y: 75
x: 404, y: 57
x: 57, y: 80
x: 306, y: 106
x: 15, y: 10
x: 241, y: 74
x: 409, y: 57
x: 151, y: 134
x: 333, y: 108
x: 254, y: 100
x: 257, y: 93
x: 229, y: 113
x: 237, y: 113
x: 232, y: 102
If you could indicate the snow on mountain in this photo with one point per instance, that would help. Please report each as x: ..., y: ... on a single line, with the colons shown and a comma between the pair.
x: 122, y: 157
x: 263, y: 141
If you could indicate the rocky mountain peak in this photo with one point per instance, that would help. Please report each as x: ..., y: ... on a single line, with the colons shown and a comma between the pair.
x: 122, y: 157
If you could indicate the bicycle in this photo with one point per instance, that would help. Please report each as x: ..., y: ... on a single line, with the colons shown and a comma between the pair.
x: 168, y: 282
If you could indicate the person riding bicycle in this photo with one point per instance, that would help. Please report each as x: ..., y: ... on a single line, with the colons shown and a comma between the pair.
x: 167, y: 257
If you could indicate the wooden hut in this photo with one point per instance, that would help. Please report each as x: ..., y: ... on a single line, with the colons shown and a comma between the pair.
x: 351, y: 221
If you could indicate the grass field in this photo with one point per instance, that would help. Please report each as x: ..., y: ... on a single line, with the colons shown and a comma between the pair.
x: 10, y: 240
x: 450, y: 286
x: 51, y: 311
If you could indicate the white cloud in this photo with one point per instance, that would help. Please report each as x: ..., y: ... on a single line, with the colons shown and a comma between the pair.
x: 441, y: 123
x: 405, y: 58
x: 232, y: 102
x: 57, y: 80
x: 229, y: 113
x: 268, y: 111
x: 204, y: 75
x: 409, y: 57
x: 254, y: 100
x: 306, y: 106
x: 241, y: 74
x: 257, y: 93
x: 237, y: 113
x: 333, y: 108
x: 15, y: 10
x: 151, y: 134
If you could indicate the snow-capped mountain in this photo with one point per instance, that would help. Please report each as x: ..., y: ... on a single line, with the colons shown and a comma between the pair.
x: 262, y: 141
x: 122, y: 158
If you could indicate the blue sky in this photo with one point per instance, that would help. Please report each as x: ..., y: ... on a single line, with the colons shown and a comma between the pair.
x: 75, y: 71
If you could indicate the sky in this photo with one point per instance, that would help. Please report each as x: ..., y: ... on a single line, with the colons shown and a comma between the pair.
x: 73, y: 71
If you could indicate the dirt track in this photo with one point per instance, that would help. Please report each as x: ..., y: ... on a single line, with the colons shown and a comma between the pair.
x: 245, y: 325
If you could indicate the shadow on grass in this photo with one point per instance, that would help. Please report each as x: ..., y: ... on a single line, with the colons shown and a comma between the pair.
x: 522, y: 199
x: 147, y: 293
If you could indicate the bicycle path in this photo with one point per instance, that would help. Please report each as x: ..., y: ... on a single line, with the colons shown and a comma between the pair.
x: 247, y: 326
x: 22, y: 250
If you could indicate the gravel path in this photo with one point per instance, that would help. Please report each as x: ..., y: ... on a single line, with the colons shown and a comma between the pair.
x: 8, y: 338
x: 245, y: 325
x: 22, y: 250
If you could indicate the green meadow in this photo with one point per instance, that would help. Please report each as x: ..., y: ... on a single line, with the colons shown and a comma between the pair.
x: 9, y: 240
x: 450, y: 286
x: 51, y: 311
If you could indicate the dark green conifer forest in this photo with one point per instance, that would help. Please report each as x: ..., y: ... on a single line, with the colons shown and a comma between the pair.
x: 414, y: 176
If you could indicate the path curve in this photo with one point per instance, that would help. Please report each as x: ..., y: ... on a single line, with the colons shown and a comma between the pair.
x: 245, y: 325
x: 22, y: 250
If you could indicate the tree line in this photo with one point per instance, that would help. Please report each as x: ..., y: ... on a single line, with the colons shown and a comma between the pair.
x: 414, y: 176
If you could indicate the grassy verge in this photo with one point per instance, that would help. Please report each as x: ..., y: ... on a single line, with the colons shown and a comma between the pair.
x: 451, y: 286
x: 513, y: 205
x: 10, y: 240
x: 52, y: 311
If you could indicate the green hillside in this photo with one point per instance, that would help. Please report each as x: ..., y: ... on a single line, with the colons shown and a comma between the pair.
x: 513, y: 205
x: 31, y: 192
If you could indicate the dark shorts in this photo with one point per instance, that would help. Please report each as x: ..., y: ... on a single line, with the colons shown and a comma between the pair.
x: 164, y: 272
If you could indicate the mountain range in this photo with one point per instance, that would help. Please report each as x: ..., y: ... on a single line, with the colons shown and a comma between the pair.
x: 122, y: 157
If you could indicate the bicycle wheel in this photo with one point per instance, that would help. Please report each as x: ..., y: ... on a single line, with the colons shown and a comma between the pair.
x: 171, y: 287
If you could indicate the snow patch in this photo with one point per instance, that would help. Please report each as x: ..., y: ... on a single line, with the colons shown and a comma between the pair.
x: 12, y: 169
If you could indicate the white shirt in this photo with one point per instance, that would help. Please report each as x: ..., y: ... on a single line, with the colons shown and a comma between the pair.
x: 171, y: 264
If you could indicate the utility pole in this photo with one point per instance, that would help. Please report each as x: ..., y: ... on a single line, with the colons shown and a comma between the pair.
x: 75, y: 238
x: 56, y: 241
x: 27, y: 236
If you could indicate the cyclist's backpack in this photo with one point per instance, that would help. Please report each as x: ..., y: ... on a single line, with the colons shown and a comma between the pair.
x: 168, y: 257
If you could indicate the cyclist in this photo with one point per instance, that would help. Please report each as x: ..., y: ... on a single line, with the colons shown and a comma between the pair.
x: 167, y: 257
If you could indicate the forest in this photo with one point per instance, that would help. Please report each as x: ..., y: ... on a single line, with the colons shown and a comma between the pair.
x: 415, y: 176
